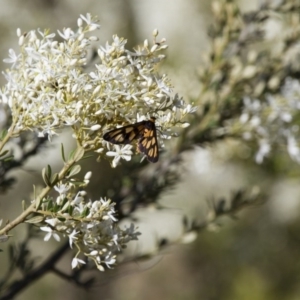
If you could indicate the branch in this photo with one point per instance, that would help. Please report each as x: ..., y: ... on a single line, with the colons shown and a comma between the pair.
x: 20, y: 285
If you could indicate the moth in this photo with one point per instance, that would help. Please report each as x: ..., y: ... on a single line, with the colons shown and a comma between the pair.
x: 144, y: 132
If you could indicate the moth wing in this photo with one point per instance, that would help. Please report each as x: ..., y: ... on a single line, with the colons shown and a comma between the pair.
x: 148, y: 143
x: 126, y: 134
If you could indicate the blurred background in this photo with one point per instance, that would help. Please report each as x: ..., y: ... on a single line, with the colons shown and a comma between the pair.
x: 254, y: 256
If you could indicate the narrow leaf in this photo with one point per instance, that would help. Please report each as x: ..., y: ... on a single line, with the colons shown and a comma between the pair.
x: 4, y: 153
x: 54, y: 179
x: 71, y: 155
x: 49, y: 171
x: 63, y: 152
x: 10, y: 157
x: 3, y: 133
x: 35, y: 220
x: 65, y: 207
x: 23, y: 205
x: 79, y: 152
x: 45, y: 177
x: 74, y: 170
x: 38, y: 203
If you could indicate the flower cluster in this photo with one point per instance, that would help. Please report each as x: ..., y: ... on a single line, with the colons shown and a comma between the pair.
x: 273, y: 122
x: 45, y: 77
x: 48, y: 87
x: 90, y: 226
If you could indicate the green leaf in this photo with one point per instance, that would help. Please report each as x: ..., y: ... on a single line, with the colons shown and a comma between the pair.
x: 3, y: 133
x: 35, y: 220
x: 50, y: 206
x: 10, y: 157
x: 38, y: 203
x: 71, y: 155
x: 4, y: 153
x: 70, y: 210
x: 47, y: 174
x: 63, y: 152
x: 23, y: 205
x: 79, y: 152
x: 67, y: 204
x: 49, y: 171
x: 45, y: 177
x: 64, y: 201
x: 85, y: 212
x: 74, y: 170
x: 54, y: 179
x: 55, y: 207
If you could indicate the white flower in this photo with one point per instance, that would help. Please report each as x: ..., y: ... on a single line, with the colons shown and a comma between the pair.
x: 50, y: 233
x: 72, y: 237
x: 66, y: 34
x: 49, y: 130
x: 264, y: 149
x: 293, y: 148
x: 272, y: 121
x: 77, y: 199
x: 53, y: 222
x: 13, y: 58
x: 95, y: 127
x: 89, y: 21
x: 120, y: 152
x: 76, y: 262
x: 110, y: 260
x: 100, y: 268
x: 110, y: 215
x: 62, y: 189
x: 88, y: 175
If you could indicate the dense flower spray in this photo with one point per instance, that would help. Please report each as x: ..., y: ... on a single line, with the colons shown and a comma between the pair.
x: 48, y: 87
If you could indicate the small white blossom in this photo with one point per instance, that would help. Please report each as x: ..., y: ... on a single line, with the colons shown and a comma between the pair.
x: 100, y: 268
x: 88, y: 175
x: 53, y: 222
x: 95, y: 127
x: 123, y: 152
x: 264, y: 150
x: 62, y: 189
x: 13, y: 58
x: 76, y: 262
x: 271, y: 121
x: 50, y: 233
x: 90, y: 22
x: 72, y: 237
x: 78, y: 199
x: 293, y: 148
x: 109, y: 260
